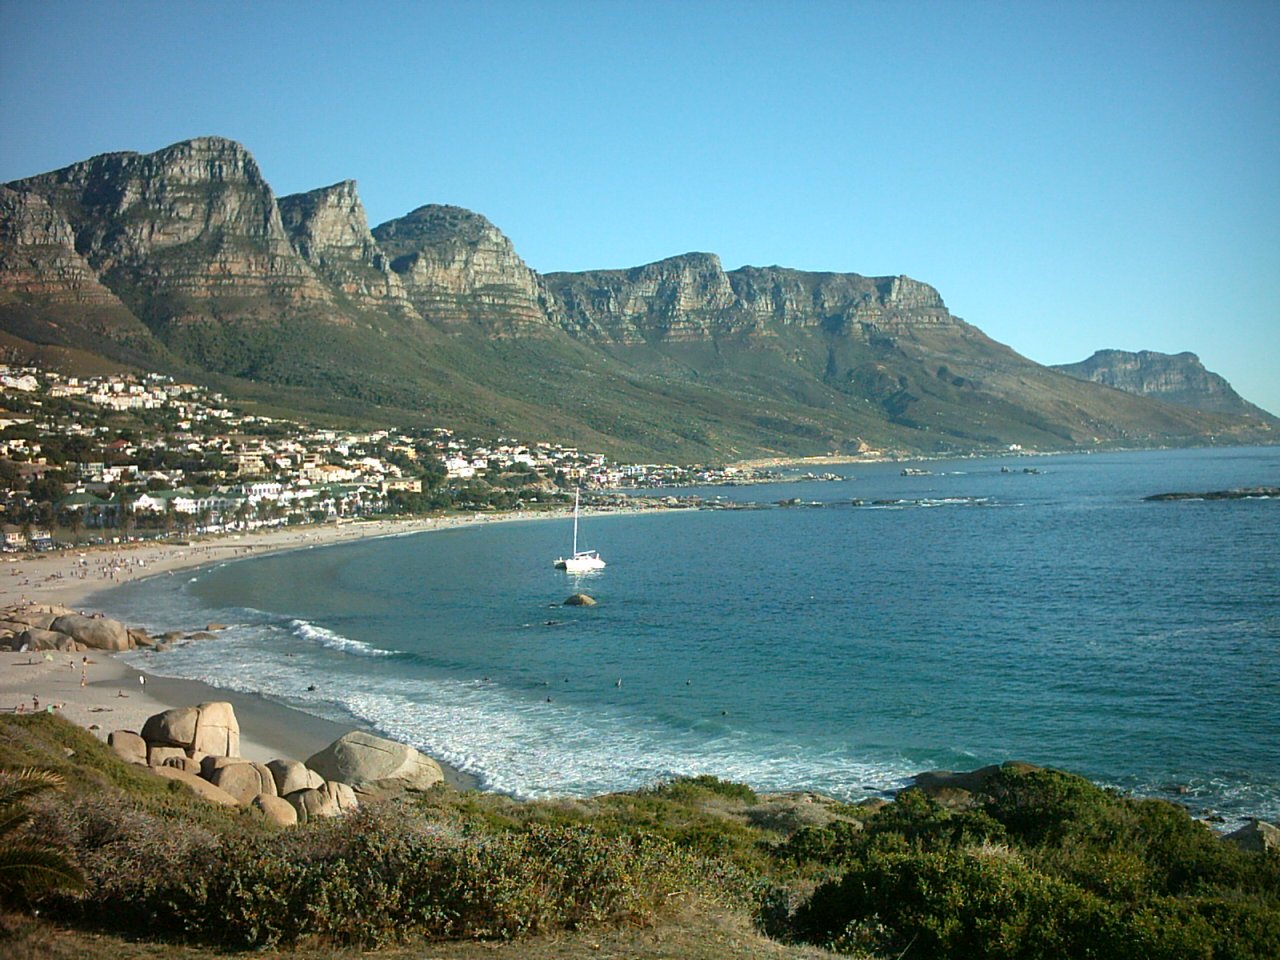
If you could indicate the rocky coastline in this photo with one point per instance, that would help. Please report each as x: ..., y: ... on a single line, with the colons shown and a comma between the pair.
x: 1243, y: 493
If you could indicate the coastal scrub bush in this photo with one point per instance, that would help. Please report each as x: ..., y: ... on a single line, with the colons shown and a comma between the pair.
x: 119, y: 844
x: 701, y: 816
x: 1118, y: 846
x: 1050, y: 866
x: 382, y: 875
x: 943, y: 903
x: 693, y: 789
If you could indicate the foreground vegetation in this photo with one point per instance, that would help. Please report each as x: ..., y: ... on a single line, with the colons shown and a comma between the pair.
x: 1032, y: 863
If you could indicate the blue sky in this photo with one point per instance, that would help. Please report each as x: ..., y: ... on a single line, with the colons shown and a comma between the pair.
x: 1070, y: 175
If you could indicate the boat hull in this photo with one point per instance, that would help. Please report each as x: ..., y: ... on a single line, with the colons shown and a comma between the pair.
x: 581, y: 563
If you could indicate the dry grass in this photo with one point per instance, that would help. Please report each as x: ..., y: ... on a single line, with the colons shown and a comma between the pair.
x: 700, y: 932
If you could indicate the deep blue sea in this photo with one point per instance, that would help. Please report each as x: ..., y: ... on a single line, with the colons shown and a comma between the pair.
x: 1053, y: 617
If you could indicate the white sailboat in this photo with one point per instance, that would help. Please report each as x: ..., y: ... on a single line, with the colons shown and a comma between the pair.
x: 580, y: 561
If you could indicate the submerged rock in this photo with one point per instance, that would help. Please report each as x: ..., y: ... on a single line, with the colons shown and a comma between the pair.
x: 580, y: 600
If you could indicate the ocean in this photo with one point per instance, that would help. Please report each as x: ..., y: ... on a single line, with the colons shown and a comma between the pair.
x: 951, y: 620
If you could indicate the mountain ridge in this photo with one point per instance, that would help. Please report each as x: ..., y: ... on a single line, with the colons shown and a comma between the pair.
x: 185, y: 259
x: 1179, y: 378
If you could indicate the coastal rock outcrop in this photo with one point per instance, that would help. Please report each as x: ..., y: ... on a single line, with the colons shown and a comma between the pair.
x: 210, y: 729
x: 244, y: 780
x: 293, y: 775
x: 182, y: 762
x: 374, y: 766
x: 217, y: 730
x: 176, y: 727
x: 1256, y: 835
x: 129, y: 746
x: 191, y: 744
x: 96, y: 633
x: 276, y: 809
x: 955, y: 791
x: 342, y: 795
x: 285, y: 791
x: 159, y: 756
x: 52, y: 627
x: 200, y: 787
x: 37, y: 639
x: 313, y: 804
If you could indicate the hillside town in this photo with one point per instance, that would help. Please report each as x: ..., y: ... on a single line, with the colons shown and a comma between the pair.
x: 97, y: 458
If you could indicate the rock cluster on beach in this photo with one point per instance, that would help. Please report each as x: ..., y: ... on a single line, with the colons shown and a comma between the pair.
x: 200, y: 748
x: 43, y: 626
x: 48, y: 626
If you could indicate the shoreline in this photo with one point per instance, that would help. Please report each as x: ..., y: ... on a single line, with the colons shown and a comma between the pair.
x: 111, y: 696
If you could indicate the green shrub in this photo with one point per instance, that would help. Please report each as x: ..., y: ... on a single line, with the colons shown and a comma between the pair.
x: 834, y: 843
x: 382, y: 875
x: 1052, y: 866
x: 977, y: 903
x: 694, y: 789
x: 1119, y: 846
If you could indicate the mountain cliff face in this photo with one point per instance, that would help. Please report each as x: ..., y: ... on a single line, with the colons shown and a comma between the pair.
x: 1175, y: 378
x: 691, y: 297
x: 459, y: 269
x: 329, y: 230
x: 184, y: 260
x: 196, y: 219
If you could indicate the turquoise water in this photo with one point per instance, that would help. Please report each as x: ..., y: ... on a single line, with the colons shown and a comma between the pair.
x: 980, y: 616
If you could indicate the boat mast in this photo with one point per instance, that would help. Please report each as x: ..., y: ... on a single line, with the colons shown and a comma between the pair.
x: 576, y: 494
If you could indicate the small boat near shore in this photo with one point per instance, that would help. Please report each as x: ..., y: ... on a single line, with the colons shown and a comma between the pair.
x: 580, y: 561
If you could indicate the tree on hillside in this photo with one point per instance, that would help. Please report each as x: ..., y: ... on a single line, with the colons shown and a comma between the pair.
x: 52, y: 487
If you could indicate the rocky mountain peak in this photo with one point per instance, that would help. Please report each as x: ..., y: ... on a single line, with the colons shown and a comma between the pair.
x: 905, y: 293
x: 330, y: 230
x: 326, y: 219
x: 458, y: 268
x: 38, y: 256
x: 125, y: 206
x: 183, y: 259
x: 435, y: 223
x: 1178, y: 378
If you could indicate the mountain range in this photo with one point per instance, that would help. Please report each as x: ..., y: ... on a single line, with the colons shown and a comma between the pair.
x: 184, y: 261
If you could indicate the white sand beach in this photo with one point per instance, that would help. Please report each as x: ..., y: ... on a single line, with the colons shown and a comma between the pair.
x: 101, y: 693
